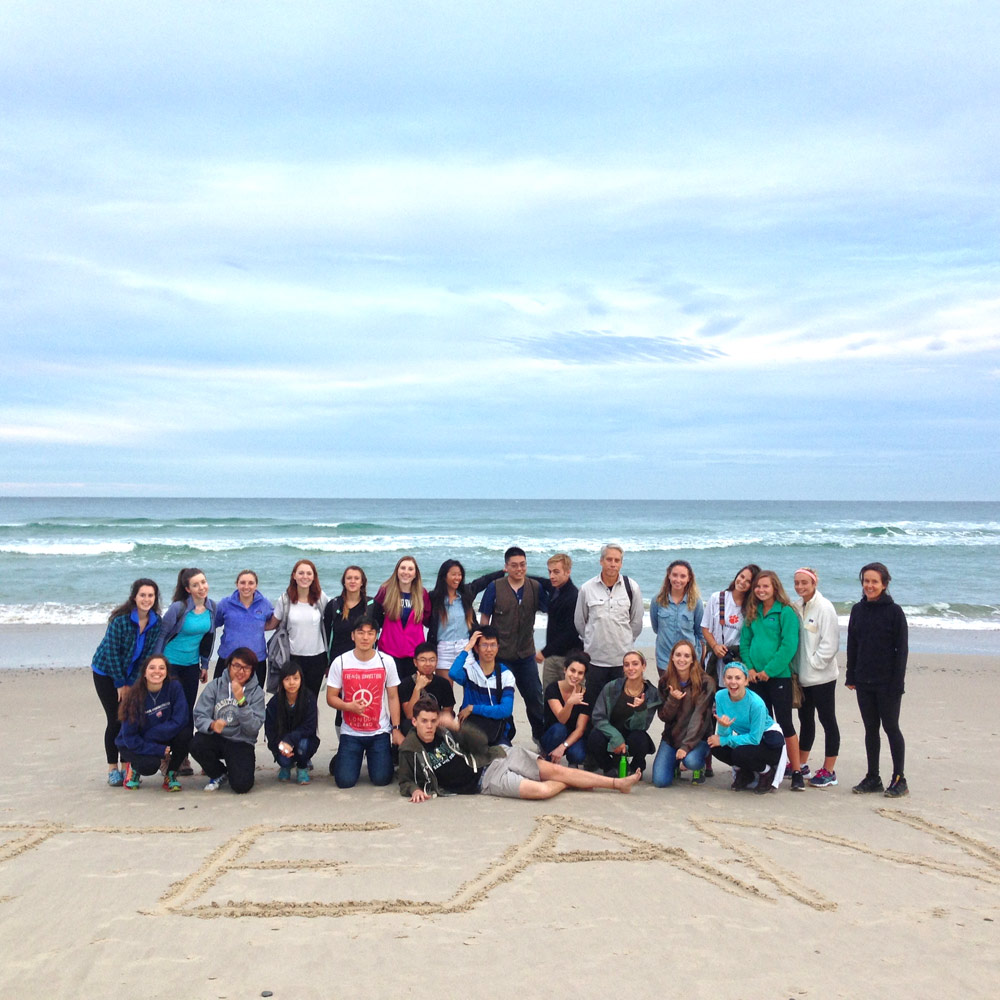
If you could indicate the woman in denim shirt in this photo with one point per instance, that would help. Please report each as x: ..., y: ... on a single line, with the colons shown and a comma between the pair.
x: 676, y: 613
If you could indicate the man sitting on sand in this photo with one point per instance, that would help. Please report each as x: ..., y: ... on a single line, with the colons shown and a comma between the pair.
x: 439, y: 758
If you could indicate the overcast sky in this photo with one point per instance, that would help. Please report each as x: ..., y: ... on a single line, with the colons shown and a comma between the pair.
x: 509, y: 249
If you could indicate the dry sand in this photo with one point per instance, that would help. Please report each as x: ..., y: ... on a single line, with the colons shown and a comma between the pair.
x: 315, y: 892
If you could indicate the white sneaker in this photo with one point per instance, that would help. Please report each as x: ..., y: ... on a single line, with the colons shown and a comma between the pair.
x: 216, y: 783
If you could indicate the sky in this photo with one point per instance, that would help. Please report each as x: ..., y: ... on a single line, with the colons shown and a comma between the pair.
x: 539, y: 249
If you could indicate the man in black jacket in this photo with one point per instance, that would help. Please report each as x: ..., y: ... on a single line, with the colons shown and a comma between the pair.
x: 561, y: 636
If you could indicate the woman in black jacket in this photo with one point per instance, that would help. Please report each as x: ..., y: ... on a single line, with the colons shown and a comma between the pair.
x: 876, y: 669
x: 290, y: 725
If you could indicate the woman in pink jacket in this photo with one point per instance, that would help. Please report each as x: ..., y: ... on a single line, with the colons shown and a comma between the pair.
x: 406, y: 611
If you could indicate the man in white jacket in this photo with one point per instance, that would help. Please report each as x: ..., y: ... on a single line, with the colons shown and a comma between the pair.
x: 609, y: 617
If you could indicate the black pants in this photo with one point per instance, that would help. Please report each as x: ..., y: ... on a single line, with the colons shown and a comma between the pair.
x: 313, y: 670
x: 189, y: 675
x: 638, y: 747
x: 597, y: 677
x: 147, y: 764
x: 211, y: 750
x: 820, y: 699
x: 776, y: 693
x: 881, y: 708
x: 755, y: 756
x: 108, y: 694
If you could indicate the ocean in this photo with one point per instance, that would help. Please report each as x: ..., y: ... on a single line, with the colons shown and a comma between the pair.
x: 69, y: 560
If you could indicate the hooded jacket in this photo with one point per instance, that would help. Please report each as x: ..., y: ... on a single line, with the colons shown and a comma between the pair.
x: 639, y: 720
x: 164, y: 714
x: 415, y: 772
x: 217, y: 702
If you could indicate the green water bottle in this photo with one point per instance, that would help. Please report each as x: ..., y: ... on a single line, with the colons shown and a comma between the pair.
x: 623, y: 766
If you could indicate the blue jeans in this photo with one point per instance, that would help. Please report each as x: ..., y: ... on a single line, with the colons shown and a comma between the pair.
x: 666, y: 761
x: 346, y: 765
x: 530, y: 685
x: 302, y: 754
x: 556, y: 734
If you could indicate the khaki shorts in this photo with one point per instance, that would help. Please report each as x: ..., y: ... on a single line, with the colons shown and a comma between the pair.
x: 504, y: 776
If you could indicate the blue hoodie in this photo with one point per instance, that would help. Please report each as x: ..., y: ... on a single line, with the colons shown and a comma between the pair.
x: 164, y: 716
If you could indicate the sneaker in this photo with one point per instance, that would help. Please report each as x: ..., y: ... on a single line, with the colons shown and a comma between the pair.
x: 743, y: 780
x: 798, y: 782
x: 765, y: 781
x: 284, y: 773
x: 132, y: 779
x: 897, y: 787
x: 823, y: 778
x: 789, y: 770
x: 115, y: 778
x: 186, y: 770
x: 869, y: 783
x: 709, y: 773
x: 697, y: 777
x: 303, y: 776
x: 216, y: 783
x: 170, y: 782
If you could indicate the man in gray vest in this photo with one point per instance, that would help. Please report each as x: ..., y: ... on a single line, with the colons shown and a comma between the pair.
x: 510, y: 606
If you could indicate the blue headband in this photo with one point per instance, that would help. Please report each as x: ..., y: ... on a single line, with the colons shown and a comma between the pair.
x: 739, y: 665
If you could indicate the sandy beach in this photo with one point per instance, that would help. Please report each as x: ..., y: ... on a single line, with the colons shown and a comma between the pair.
x: 313, y: 892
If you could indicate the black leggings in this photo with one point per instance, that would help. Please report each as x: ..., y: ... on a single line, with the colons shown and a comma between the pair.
x: 776, y: 693
x: 189, y: 675
x: 881, y: 708
x: 755, y: 756
x: 819, y: 699
x: 108, y: 694
x: 313, y: 670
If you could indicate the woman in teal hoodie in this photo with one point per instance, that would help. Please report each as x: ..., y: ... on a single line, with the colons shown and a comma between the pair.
x: 768, y: 644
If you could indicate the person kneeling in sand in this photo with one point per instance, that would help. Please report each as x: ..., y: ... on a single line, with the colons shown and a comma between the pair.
x: 746, y: 737
x: 227, y: 719
x: 439, y: 758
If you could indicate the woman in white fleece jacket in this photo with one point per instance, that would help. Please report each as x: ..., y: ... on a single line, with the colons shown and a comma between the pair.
x: 819, y: 640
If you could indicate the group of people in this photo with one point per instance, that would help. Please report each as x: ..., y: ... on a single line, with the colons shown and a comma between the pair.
x: 731, y: 673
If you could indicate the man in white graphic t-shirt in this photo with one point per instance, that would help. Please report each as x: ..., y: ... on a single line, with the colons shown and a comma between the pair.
x: 364, y: 685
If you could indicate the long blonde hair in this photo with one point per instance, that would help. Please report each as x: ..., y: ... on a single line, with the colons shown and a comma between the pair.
x: 691, y: 592
x: 697, y: 678
x: 392, y: 600
x: 780, y: 597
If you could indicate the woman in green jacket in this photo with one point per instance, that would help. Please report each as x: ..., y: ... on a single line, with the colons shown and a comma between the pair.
x: 623, y: 712
x: 769, y: 641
